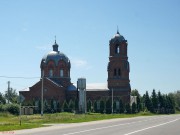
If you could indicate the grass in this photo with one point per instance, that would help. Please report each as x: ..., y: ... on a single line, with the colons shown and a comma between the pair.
x: 10, y: 122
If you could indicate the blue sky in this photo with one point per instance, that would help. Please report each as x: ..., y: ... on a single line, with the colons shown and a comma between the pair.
x: 83, y: 30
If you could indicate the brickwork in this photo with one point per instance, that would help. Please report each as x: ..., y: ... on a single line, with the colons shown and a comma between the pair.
x: 51, y: 91
x: 57, y: 84
x: 118, y: 67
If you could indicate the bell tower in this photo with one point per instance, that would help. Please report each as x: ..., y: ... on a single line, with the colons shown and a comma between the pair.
x: 118, y: 67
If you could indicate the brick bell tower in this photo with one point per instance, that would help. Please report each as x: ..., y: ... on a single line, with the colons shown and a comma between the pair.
x: 118, y: 68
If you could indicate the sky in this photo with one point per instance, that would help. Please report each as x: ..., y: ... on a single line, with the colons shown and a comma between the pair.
x: 83, y: 30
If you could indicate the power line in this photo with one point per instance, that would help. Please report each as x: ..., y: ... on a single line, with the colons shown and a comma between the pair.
x: 17, y: 77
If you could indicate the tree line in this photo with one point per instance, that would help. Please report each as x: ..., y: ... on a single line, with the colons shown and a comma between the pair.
x: 155, y: 102
x: 158, y: 102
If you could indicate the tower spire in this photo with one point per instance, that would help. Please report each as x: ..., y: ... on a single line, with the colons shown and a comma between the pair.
x: 55, y: 46
x: 117, y: 30
x: 55, y: 39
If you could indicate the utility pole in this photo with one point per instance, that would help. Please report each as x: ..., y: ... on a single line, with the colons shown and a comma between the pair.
x: 8, y: 90
x: 42, y: 79
x: 112, y: 101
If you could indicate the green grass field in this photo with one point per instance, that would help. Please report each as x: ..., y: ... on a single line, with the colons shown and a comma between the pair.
x: 10, y: 122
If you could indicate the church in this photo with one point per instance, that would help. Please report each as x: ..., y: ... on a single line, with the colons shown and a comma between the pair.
x: 56, y: 78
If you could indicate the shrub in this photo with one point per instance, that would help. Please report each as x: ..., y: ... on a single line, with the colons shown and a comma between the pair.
x: 1, y: 108
x: 12, y: 108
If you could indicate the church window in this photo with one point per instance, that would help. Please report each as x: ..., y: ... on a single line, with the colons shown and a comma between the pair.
x: 117, y: 49
x: 115, y: 72
x: 119, y: 72
x: 50, y: 73
x: 61, y: 72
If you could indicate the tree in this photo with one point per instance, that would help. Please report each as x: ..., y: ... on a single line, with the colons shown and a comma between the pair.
x: 148, y: 102
x: 128, y: 108
x: 2, y: 99
x: 134, y: 107
x: 108, y: 106
x: 102, y: 106
x: 95, y: 106
x: 161, y: 102
x: 154, y: 101
x: 170, y: 105
x: 65, y: 106
x: 114, y: 107
x: 52, y: 105
x: 11, y: 95
x: 71, y: 106
x: 76, y: 105
x: 89, y: 104
x: 176, y: 99
x: 136, y: 93
x: 121, y: 106
x: 58, y: 107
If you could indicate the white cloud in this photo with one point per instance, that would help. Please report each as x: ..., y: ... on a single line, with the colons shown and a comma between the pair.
x: 80, y: 63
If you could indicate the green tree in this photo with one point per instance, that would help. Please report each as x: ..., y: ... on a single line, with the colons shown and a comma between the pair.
x: 89, y: 105
x: 11, y: 95
x: 58, y: 107
x: 65, y: 106
x: 161, y: 102
x: 148, y: 103
x: 108, y: 106
x: 71, y: 106
x: 95, y: 107
x: 154, y: 101
x: 170, y: 105
x: 76, y: 105
x: 176, y: 99
x: 102, y: 106
x: 121, y: 106
x: 128, y: 108
x: 114, y: 107
x: 139, y: 104
x: 52, y: 104
x: 134, y: 107
x: 2, y: 99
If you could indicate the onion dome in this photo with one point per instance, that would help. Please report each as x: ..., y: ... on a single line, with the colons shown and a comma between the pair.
x: 71, y: 88
x: 55, y: 56
x: 117, y: 38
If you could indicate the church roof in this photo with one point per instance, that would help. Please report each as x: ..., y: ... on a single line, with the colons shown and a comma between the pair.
x: 55, y: 56
x: 117, y: 37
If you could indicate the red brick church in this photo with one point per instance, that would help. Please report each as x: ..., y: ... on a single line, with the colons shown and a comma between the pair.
x: 57, y: 87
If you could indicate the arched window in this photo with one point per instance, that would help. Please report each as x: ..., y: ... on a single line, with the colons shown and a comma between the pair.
x: 50, y: 73
x: 119, y: 72
x: 61, y: 72
x: 117, y: 49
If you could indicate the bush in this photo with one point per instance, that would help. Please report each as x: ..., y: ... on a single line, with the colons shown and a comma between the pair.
x: 1, y: 108
x: 65, y: 107
x: 108, y: 106
x: 12, y: 108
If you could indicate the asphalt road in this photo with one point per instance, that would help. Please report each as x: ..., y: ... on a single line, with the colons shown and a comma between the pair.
x: 149, y: 125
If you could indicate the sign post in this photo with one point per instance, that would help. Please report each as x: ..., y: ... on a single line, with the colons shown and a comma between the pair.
x: 21, y: 99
